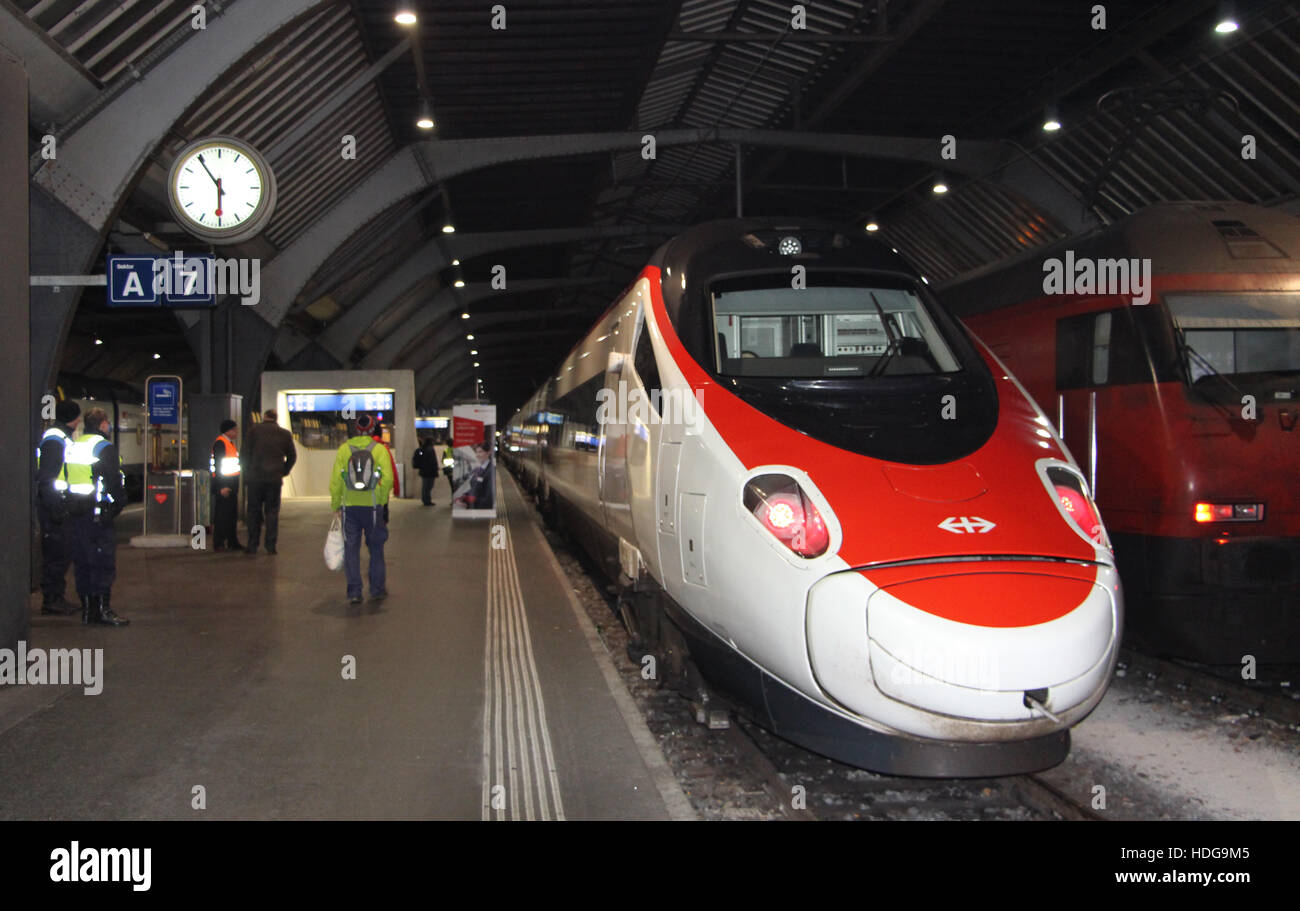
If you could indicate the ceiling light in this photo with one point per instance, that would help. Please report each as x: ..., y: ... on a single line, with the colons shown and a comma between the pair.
x: 405, y: 13
x: 464, y: 316
x: 473, y: 351
x: 476, y: 363
x: 99, y: 341
x: 1051, y: 125
x: 448, y: 229
x: 872, y: 226
x: 455, y: 262
x: 460, y: 283
x: 425, y: 120
x: 939, y: 187
x: 157, y: 356
x: 1226, y: 26
x: 469, y: 338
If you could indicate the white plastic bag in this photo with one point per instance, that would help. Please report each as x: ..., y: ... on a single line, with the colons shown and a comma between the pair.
x: 334, y: 545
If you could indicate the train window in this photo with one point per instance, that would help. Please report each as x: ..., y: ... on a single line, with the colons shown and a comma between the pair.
x: 1114, y: 348
x: 644, y: 362
x: 825, y: 331
x: 1237, y: 334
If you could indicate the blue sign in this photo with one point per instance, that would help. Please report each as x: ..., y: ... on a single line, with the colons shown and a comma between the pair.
x: 154, y: 281
x: 131, y: 281
x: 355, y: 402
x: 164, y: 398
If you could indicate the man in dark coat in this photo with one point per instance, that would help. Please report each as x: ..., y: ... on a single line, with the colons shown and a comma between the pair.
x: 426, y: 462
x: 52, y: 508
x: 269, y: 455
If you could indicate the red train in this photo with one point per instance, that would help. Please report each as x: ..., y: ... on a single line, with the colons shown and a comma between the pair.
x: 1166, y: 348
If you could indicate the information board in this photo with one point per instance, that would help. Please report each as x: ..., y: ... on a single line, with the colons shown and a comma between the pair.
x: 340, y: 401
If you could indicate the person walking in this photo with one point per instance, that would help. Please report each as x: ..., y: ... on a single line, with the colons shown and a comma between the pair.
x: 96, y: 494
x: 52, y: 507
x: 269, y: 456
x: 224, y: 463
x: 359, y: 488
x: 425, y: 461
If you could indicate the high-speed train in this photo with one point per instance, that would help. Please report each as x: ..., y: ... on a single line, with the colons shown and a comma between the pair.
x: 823, y: 496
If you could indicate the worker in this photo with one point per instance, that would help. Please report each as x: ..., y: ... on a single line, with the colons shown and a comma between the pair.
x: 96, y: 494
x: 52, y: 507
x: 224, y: 463
x: 359, y: 488
x: 269, y: 456
x: 448, y: 464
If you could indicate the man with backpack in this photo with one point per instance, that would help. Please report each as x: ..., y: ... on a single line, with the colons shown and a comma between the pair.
x: 359, y: 487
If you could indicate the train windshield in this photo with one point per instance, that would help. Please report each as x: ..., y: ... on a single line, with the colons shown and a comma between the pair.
x: 841, y: 331
x: 1231, y: 334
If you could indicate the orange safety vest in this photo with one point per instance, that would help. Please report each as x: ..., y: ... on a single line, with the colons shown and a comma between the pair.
x: 229, y: 467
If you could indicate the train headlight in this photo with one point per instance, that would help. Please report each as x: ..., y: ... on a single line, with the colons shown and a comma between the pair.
x: 782, y: 507
x: 1077, y: 505
x: 789, y: 246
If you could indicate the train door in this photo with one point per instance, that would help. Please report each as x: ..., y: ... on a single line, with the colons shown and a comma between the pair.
x: 615, y: 492
x: 1105, y: 408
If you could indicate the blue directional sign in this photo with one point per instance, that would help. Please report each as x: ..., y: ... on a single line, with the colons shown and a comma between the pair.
x: 156, y: 281
x: 164, y: 398
x: 189, y: 284
x: 131, y: 281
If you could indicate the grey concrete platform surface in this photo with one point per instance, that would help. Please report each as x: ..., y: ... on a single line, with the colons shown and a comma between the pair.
x: 479, y: 691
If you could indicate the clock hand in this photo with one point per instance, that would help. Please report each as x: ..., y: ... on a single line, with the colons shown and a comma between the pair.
x: 205, y: 167
x: 220, y: 193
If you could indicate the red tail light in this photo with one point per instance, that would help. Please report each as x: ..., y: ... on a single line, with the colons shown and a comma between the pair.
x: 1078, y: 505
x: 779, y: 503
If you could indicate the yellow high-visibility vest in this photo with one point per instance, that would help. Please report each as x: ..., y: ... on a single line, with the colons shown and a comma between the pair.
x: 55, y: 433
x: 80, y: 461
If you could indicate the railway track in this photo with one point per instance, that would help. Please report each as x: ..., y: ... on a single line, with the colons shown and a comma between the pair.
x: 1275, y: 697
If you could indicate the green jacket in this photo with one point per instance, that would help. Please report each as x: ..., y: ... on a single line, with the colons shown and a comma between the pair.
x: 342, y: 495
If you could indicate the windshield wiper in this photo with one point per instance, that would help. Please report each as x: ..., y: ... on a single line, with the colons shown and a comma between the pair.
x: 1210, y: 371
x: 891, y: 348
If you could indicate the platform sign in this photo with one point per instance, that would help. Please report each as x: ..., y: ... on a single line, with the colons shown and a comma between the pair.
x: 156, y: 281
x: 473, y: 431
x: 131, y: 281
x: 164, y: 399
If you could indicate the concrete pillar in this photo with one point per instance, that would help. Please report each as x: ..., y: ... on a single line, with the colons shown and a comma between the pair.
x: 17, y: 445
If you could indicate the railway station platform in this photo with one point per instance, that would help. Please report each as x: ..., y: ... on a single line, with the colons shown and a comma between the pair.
x: 477, y: 690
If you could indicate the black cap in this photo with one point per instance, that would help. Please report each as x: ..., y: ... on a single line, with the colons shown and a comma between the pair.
x: 227, y: 424
x: 67, y: 411
x: 365, y: 423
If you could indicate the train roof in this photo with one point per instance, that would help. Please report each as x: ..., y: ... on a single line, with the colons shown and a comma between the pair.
x: 1178, y: 237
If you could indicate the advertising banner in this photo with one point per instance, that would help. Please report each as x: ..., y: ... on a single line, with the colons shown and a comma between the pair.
x: 474, y: 474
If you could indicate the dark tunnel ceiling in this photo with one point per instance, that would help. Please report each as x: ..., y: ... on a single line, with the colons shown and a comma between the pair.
x: 976, y: 70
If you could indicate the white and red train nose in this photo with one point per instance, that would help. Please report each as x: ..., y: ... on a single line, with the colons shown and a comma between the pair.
x: 966, y: 650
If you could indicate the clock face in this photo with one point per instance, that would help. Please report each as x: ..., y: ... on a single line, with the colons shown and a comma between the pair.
x: 221, y: 190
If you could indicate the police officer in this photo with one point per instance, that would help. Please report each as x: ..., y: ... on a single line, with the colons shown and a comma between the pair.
x: 96, y: 494
x: 225, y: 489
x: 52, y: 507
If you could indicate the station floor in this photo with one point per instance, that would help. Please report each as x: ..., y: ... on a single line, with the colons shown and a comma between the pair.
x: 481, y: 691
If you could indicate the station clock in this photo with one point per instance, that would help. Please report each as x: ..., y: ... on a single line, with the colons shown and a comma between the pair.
x: 221, y: 190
